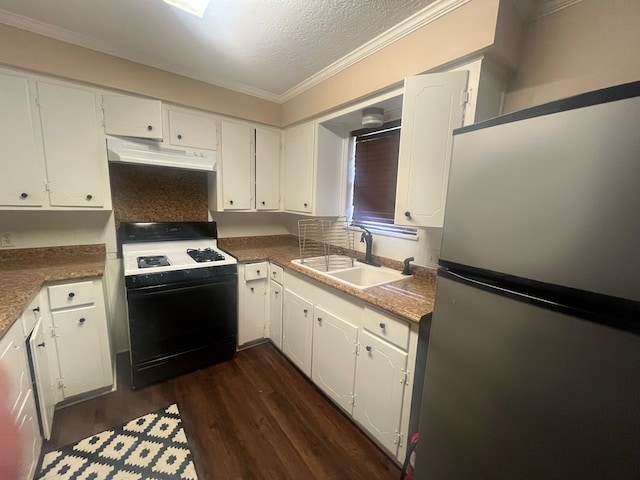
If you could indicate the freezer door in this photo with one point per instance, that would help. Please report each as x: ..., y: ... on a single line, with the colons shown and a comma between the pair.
x: 552, y: 198
x: 516, y: 391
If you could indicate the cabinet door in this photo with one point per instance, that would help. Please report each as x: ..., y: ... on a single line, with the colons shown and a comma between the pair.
x: 251, y: 314
x: 334, y: 357
x: 192, y: 130
x: 432, y: 106
x: 45, y: 381
x: 73, y: 147
x: 275, y: 314
x: 380, y: 382
x: 81, y: 334
x: 298, y: 168
x: 267, y: 169
x: 30, y: 435
x: 297, y: 331
x: 22, y: 179
x: 236, y: 166
x: 132, y: 116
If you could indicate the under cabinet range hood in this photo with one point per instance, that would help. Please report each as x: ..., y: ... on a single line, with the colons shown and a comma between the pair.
x: 147, y: 152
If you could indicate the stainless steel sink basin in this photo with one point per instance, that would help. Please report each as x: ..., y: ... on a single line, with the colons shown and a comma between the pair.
x: 358, y: 276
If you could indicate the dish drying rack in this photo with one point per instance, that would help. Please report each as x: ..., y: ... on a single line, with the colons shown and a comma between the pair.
x: 325, y: 244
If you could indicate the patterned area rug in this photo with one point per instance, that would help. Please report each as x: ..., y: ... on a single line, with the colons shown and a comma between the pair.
x: 152, y: 447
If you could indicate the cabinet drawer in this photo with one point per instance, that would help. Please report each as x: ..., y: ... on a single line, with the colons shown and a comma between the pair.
x: 70, y: 295
x: 277, y: 273
x: 255, y: 271
x: 389, y: 328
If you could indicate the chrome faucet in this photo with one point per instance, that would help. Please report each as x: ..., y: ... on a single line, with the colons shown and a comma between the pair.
x: 367, y: 237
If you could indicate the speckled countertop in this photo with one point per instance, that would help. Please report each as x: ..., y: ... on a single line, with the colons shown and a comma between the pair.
x: 409, y: 298
x: 23, y: 272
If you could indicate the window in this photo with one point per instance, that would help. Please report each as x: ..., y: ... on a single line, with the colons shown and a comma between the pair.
x: 374, y: 174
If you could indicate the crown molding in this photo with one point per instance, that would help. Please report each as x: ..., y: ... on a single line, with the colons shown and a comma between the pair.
x: 427, y: 15
x: 542, y: 8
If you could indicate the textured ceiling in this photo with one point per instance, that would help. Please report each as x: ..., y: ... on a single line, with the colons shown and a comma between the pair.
x: 264, y: 47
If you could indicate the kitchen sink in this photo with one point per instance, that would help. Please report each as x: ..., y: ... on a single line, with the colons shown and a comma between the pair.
x: 358, y: 276
x: 366, y: 276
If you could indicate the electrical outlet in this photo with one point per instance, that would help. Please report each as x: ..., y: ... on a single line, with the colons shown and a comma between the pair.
x: 7, y: 239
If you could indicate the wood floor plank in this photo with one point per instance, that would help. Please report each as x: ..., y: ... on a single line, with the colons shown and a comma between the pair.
x: 253, y: 417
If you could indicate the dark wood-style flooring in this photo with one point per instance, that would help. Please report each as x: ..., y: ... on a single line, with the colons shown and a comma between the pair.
x: 253, y: 417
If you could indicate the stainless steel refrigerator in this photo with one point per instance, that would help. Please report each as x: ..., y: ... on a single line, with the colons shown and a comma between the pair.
x: 533, y: 366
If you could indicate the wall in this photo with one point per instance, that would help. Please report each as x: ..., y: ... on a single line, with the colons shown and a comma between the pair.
x: 461, y: 33
x: 37, y: 53
x: 589, y: 45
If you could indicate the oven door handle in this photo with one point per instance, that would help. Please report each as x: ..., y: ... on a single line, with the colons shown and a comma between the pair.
x: 180, y: 286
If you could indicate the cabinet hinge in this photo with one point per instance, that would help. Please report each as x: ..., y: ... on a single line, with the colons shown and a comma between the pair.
x: 465, y: 97
x: 353, y: 400
x: 398, y: 440
x: 53, y: 332
x: 47, y: 186
x: 37, y: 100
x: 61, y: 383
x: 357, y: 352
x: 405, y: 379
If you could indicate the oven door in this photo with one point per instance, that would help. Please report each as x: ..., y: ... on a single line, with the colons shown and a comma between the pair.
x: 179, y: 327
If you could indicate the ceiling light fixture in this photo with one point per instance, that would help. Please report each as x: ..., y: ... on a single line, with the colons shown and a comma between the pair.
x: 194, y: 7
x: 372, y: 117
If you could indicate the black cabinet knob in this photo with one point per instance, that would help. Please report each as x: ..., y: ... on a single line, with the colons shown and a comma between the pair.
x: 258, y: 272
x: 71, y: 294
x: 382, y: 325
x: 230, y: 202
x: 42, y: 344
x: 251, y: 289
x: 305, y: 311
x: 149, y: 127
x: 89, y: 197
x: 407, y: 214
x: 82, y: 320
x: 305, y: 205
x: 179, y: 136
x: 368, y: 348
x: 264, y: 203
x: 319, y: 319
x: 24, y: 195
x: 37, y: 309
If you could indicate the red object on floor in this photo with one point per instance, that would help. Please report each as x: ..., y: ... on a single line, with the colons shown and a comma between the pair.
x: 408, y: 466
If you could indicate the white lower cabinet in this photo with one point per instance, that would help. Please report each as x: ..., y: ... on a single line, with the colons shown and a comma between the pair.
x: 380, y: 386
x: 41, y: 350
x: 297, y: 330
x: 360, y: 357
x: 252, y: 293
x: 334, y: 357
x: 20, y: 400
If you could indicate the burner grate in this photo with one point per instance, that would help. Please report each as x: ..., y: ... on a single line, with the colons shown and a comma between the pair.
x: 204, y: 255
x: 153, y: 261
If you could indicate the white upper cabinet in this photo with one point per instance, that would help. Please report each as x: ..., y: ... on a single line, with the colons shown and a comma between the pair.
x: 73, y: 146
x: 433, y: 105
x: 268, y: 147
x: 52, y: 150
x: 129, y: 116
x: 21, y: 182
x: 313, y: 163
x: 192, y: 130
x: 236, y: 165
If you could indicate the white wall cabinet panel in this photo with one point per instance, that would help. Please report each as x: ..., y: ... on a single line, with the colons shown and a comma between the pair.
x: 44, y: 377
x: 129, y: 116
x: 313, y: 164
x: 73, y: 146
x: 380, y: 383
x: 268, y: 148
x: 298, y: 168
x: 433, y: 105
x: 334, y: 357
x: 21, y: 182
x: 236, y: 153
x: 297, y: 330
x: 192, y: 130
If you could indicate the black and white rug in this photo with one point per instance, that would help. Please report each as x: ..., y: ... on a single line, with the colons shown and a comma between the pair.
x: 151, y: 447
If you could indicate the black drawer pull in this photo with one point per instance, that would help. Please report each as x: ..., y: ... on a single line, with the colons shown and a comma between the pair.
x: 89, y: 197
x: 24, y: 195
x: 149, y: 127
x: 71, y: 294
x: 41, y: 344
x: 368, y: 348
x: 82, y: 320
x: 37, y: 309
x: 382, y: 326
x: 179, y: 136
